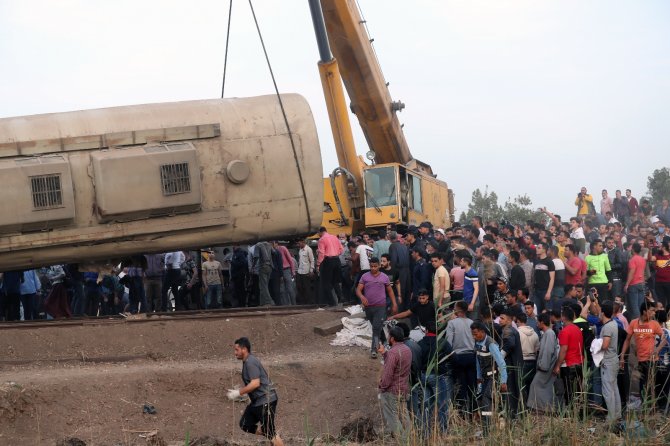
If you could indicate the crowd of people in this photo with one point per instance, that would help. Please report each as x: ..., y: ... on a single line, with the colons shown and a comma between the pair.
x: 260, y: 274
x: 538, y: 316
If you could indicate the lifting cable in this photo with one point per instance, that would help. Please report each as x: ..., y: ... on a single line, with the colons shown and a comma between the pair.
x: 281, y: 105
x: 225, y: 58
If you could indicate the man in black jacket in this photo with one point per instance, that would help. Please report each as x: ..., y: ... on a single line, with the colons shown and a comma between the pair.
x: 517, y: 277
x: 513, y: 354
x: 617, y: 263
x: 400, y: 260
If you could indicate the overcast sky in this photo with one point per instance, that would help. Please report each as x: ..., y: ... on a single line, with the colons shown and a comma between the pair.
x: 536, y: 97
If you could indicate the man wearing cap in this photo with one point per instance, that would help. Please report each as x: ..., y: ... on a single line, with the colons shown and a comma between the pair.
x: 422, y: 274
x: 426, y: 231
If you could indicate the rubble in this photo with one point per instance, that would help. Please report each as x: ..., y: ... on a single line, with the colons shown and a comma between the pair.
x: 360, y: 429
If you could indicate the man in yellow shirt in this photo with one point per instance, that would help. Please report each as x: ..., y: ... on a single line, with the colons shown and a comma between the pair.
x: 584, y: 202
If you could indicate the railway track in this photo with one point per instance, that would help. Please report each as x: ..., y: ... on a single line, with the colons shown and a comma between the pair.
x: 243, y: 312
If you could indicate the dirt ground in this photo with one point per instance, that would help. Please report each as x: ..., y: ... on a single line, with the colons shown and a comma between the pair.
x: 91, y: 381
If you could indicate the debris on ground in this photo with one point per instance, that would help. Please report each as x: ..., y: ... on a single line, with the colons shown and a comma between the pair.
x: 360, y: 430
x: 357, y: 330
x: 13, y: 400
x: 154, y: 439
x: 73, y: 441
x: 206, y: 440
x: 150, y: 409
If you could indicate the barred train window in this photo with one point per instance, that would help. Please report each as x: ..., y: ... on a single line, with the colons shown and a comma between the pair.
x: 47, y: 191
x: 175, y: 179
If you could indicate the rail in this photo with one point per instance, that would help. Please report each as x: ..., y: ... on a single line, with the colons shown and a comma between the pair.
x: 241, y: 312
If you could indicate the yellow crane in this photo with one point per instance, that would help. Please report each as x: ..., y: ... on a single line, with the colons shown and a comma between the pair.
x: 396, y: 188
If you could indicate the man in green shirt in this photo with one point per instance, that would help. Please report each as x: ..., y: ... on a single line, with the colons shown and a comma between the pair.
x: 598, y: 270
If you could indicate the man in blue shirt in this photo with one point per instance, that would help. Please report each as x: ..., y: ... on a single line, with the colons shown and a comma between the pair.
x: 30, y: 288
x: 470, y: 286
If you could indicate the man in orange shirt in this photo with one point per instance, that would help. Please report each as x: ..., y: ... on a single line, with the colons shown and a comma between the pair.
x: 634, y: 286
x: 645, y: 329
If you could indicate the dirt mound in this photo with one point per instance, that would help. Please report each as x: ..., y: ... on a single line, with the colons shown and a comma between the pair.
x: 183, y: 369
x: 360, y: 430
x: 14, y: 400
x: 155, y: 439
x: 71, y: 442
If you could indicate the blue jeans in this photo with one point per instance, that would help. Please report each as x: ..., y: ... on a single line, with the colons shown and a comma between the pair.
x: 78, y: 298
x: 635, y: 299
x: 213, y: 296
x: 558, y: 292
x: 414, y: 403
x: 538, y: 300
x: 596, y: 390
x: 288, y: 296
x: 437, y: 394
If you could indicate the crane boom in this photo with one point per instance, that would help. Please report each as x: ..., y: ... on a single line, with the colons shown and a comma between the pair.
x: 370, y: 98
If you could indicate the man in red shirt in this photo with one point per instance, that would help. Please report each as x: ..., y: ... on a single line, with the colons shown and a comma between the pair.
x: 634, y: 286
x: 575, y: 268
x: 328, y: 265
x: 570, y: 357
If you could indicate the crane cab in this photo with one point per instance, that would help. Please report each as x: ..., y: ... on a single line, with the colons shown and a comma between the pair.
x: 395, y: 194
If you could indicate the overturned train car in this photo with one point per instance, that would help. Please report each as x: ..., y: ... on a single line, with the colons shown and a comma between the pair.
x: 102, y: 184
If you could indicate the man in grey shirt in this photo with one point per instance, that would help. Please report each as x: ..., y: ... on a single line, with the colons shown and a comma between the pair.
x: 259, y: 416
x: 463, y: 363
x: 609, y: 367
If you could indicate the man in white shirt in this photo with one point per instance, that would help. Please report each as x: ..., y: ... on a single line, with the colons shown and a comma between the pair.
x: 478, y: 224
x: 577, y: 234
x: 365, y: 253
x: 173, y: 261
x: 305, y: 274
